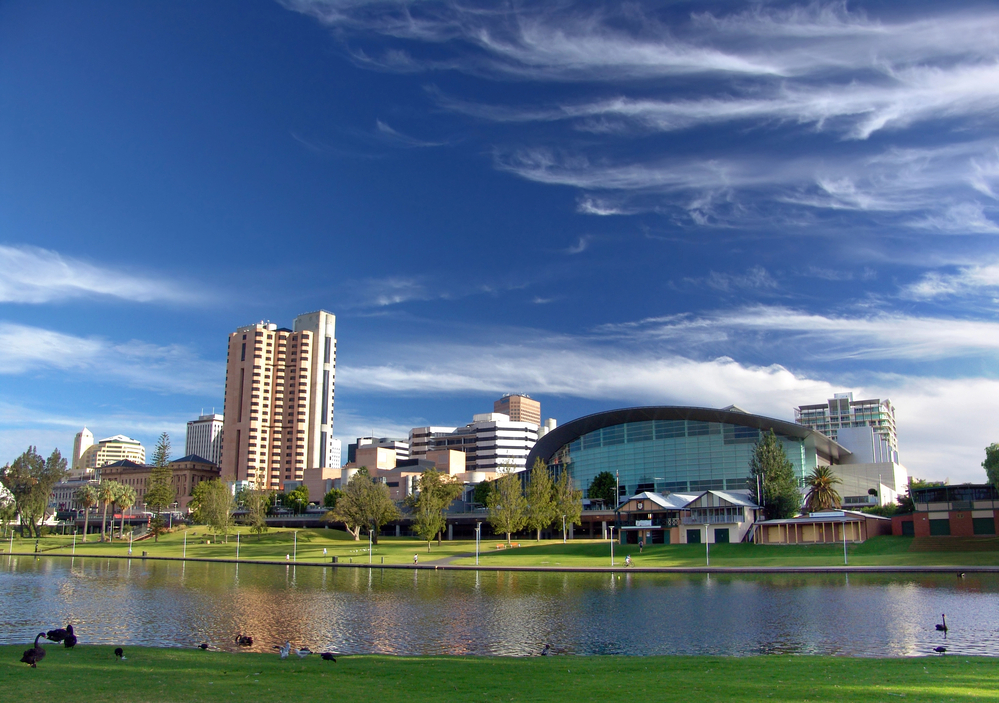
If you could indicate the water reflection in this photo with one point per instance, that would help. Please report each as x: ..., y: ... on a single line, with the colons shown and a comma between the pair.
x: 513, y: 613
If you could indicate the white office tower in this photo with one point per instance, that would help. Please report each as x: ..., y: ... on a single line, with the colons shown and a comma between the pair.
x: 336, y: 453
x: 84, y: 440
x: 491, y: 442
x: 204, y: 438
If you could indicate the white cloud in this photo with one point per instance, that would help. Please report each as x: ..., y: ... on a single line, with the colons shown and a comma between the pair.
x: 968, y: 280
x: 167, y: 369
x: 34, y: 275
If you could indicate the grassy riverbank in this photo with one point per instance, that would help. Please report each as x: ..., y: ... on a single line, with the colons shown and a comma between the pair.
x: 309, y: 545
x: 176, y: 675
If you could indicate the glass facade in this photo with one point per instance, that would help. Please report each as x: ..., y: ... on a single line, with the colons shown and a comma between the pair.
x: 674, y: 455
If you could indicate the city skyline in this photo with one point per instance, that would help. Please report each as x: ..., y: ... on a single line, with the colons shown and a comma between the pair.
x: 601, y: 205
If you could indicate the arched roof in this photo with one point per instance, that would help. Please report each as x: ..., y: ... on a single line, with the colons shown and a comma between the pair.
x: 562, y: 435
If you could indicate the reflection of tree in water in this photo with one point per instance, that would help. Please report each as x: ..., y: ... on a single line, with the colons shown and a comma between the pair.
x: 492, y: 612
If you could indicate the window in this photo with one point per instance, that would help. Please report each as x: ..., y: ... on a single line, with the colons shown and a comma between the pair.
x: 242, y: 356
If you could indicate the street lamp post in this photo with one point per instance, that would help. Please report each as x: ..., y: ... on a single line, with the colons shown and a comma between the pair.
x: 843, y: 527
x: 295, y: 549
x: 370, y: 543
x: 478, y: 536
x: 237, y: 545
x: 612, y: 544
x: 707, y: 548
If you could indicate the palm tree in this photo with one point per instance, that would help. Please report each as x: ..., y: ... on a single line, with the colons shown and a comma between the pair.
x: 105, y: 494
x: 87, y: 497
x: 126, y: 499
x: 821, y: 492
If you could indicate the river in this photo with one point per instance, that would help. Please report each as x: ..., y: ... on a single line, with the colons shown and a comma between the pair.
x: 396, y: 611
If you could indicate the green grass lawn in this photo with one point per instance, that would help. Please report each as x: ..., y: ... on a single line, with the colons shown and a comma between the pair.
x: 190, y: 675
x: 276, y: 544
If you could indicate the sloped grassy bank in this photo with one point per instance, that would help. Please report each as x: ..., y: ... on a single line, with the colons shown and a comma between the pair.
x: 192, y: 675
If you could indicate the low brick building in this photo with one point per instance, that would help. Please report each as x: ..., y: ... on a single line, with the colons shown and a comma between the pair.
x: 187, y: 472
x: 965, y: 510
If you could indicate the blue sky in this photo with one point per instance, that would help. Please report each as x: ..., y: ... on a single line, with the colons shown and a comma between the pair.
x: 599, y: 204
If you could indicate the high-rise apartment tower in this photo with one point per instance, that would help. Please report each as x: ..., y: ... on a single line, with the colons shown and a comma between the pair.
x: 278, y: 415
x: 842, y: 411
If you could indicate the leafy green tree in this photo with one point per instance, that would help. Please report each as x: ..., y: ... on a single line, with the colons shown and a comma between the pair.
x: 297, y: 500
x: 161, y: 491
x: 991, y: 464
x: 507, y: 505
x: 8, y: 510
x: 568, y: 501
x: 125, y: 499
x: 481, y: 493
x: 106, y: 492
x: 822, y: 493
x: 604, y: 487
x: 364, y: 504
x: 780, y: 498
x: 540, y: 498
x: 86, y: 496
x: 213, y: 504
x: 29, y: 480
x: 256, y: 503
x: 437, y: 491
x: 331, y: 497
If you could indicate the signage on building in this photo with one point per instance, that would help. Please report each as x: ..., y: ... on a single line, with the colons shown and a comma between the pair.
x: 643, y: 523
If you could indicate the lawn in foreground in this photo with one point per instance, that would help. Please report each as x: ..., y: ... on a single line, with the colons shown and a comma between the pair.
x: 182, y: 675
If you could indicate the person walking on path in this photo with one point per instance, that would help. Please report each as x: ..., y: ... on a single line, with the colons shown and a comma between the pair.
x: 416, y: 559
x: 641, y: 545
x: 627, y: 560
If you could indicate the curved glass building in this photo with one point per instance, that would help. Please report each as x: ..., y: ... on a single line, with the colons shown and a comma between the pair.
x: 667, y: 449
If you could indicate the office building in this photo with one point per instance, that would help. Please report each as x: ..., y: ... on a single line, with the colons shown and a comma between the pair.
x: 278, y: 414
x: 399, y: 446
x: 204, y: 438
x: 82, y: 442
x: 842, y: 411
x: 185, y: 473
x: 108, y: 451
x: 519, y: 408
x: 672, y: 449
x: 492, y: 442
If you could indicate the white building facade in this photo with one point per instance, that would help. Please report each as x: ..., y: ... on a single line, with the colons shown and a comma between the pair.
x: 204, y: 438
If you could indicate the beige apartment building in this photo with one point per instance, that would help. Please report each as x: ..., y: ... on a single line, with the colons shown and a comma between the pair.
x: 106, y: 451
x: 519, y: 408
x: 278, y: 414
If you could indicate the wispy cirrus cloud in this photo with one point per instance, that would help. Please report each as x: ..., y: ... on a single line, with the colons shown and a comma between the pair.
x: 35, y: 275
x: 166, y: 369
x: 967, y: 280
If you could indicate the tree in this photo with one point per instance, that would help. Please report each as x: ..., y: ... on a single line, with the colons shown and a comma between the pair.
x: 106, y: 491
x: 161, y: 492
x: 604, y: 487
x: 780, y: 497
x: 8, y: 510
x: 126, y: 499
x: 540, y: 498
x: 297, y: 500
x: 991, y: 464
x: 507, y: 505
x: 437, y: 491
x: 364, y: 503
x: 568, y: 501
x: 822, y: 494
x: 86, y: 496
x: 29, y: 480
x: 256, y: 503
x: 213, y: 504
x: 331, y: 497
x: 481, y: 493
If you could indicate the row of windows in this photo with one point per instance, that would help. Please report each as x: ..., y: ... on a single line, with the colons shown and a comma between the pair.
x: 650, y: 430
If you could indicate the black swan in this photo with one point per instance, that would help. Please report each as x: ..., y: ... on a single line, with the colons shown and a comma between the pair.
x: 244, y: 640
x: 35, y: 654
x: 70, y: 640
x: 203, y: 645
x: 943, y: 627
x: 59, y: 634
x: 120, y: 653
x: 328, y: 656
x: 939, y: 650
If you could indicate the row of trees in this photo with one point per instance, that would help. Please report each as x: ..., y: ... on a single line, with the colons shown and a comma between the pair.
x: 513, y: 506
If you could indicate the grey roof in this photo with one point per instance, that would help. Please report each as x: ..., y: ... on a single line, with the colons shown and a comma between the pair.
x: 679, y: 501
x: 827, y: 516
x: 546, y: 446
x: 193, y: 458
